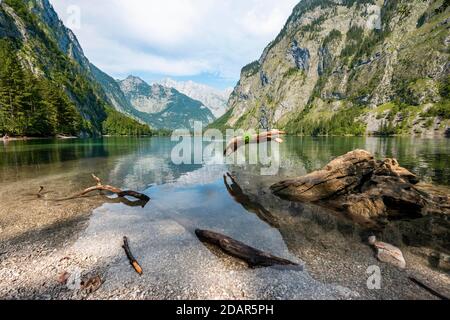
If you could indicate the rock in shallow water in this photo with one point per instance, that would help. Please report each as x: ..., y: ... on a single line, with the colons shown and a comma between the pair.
x: 388, y: 253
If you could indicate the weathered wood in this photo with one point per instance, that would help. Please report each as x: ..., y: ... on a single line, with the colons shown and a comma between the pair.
x: 364, y: 187
x: 130, y: 256
x: 39, y: 194
x: 129, y: 203
x: 238, y: 142
x: 253, y: 257
x: 431, y: 290
x: 120, y: 193
x: 134, y: 194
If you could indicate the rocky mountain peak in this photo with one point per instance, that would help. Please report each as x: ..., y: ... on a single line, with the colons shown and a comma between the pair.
x: 133, y: 84
x: 214, y: 99
x: 162, y: 106
x: 351, y: 67
x: 133, y: 80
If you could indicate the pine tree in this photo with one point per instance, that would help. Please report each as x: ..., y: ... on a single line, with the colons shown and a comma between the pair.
x: 11, y: 90
x: 68, y: 118
x: 34, y: 106
x: 45, y: 116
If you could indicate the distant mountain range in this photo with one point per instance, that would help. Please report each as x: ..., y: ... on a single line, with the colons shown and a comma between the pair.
x: 163, y: 107
x: 47, y: 84
x: 338, y: 67
x: 214, y: 99
x: 57, y: 90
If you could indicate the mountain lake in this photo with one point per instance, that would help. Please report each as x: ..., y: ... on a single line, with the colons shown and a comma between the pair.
x: 48, y: 245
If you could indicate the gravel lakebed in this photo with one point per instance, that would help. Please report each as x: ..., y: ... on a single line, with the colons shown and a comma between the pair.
x: 42, y: 239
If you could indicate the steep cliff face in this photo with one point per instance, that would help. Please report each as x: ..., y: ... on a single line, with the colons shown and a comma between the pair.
x: 51, y: 58
x: 351, y: 67
x: 66, y: 40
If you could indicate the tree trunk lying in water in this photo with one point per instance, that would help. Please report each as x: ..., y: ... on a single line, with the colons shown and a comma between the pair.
x: 365, y: 187
x: 263, y: 137
x: 253, y: 257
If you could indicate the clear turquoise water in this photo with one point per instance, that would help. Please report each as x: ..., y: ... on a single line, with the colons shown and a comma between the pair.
x: 197, y: 196
x: 148, y: 159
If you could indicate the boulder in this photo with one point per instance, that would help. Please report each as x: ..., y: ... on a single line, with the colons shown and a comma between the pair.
x: 388, y: 253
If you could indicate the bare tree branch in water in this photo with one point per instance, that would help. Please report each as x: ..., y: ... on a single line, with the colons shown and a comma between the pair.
x: 238, y: 142
x: 143, y: 199
x: 40, y: 194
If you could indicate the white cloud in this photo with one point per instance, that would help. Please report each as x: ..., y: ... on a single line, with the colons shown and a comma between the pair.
x: 176, y: 37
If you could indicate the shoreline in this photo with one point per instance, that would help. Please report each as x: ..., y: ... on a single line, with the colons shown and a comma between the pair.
x: 39, y: 138
x: 147, y: 136
x: 63, y: 138
x: 60, y: 137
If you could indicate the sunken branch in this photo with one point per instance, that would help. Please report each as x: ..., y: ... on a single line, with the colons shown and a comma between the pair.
x: 120, y: 193
x: 253, y: 257
x: 130, y: 256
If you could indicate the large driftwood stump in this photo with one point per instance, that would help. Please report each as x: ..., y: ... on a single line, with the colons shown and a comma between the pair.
x: 364, y: 187
x: 253, y: 257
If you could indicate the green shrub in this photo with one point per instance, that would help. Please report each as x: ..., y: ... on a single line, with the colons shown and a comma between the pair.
x: 344, y: 122
x: 117, y: 124
x: 251, y: 69
x: 441, y: 109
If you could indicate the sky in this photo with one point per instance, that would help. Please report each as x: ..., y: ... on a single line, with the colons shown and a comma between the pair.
x: 207, y: 41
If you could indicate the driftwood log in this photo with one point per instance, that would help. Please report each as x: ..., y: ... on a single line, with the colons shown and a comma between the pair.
x: 238, y: 142
x: 253, y: 257
x: 130, y: 256
x: 428, y: 288
x: 143, y: 199
x: 364, y: 187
